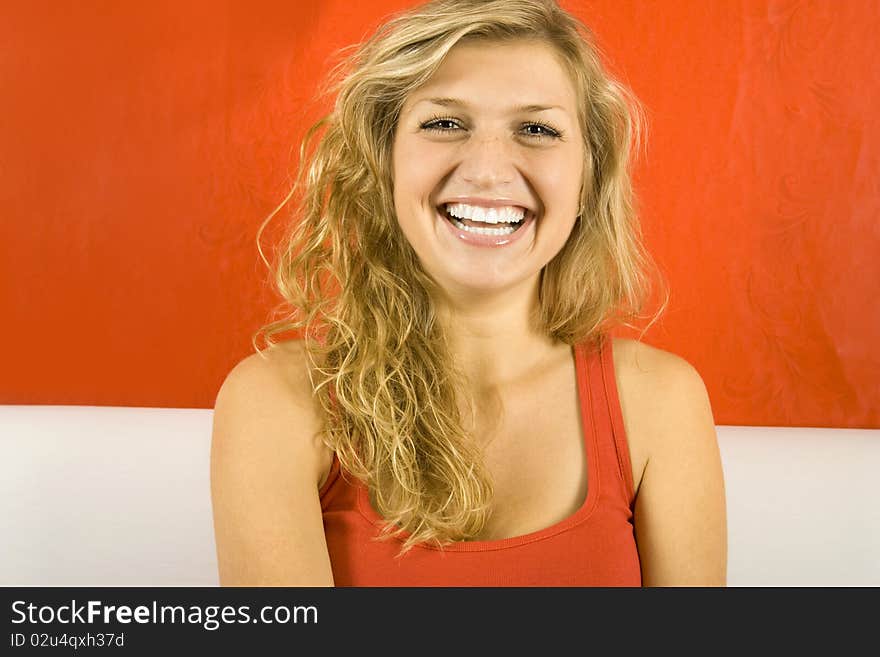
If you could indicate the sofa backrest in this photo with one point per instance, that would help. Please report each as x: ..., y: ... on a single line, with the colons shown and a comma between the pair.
x: 113, y: 496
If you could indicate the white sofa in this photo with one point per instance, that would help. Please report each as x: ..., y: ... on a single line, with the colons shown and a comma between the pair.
x: 110, y: 496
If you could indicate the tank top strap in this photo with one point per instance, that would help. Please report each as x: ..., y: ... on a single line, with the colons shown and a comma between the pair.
x: 612, y: 447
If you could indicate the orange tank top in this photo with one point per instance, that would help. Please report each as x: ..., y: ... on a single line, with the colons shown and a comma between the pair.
x: 595, y: 546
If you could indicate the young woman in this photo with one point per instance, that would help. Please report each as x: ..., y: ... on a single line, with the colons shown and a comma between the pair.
x: 457, y: 412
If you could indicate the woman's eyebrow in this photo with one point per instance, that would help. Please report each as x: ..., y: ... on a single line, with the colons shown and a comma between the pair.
x: 447, y: 102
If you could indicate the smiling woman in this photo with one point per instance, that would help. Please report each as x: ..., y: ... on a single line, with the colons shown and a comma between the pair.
x: 499, y: 163
x: 456, y: 412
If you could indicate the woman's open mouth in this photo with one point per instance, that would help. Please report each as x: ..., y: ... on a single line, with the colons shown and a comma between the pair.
x: 483, y: 227
x: 486, y: 233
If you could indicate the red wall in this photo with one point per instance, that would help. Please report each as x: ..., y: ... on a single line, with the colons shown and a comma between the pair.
x: 142, y: 144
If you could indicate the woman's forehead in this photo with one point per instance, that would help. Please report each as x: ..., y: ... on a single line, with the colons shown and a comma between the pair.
x: 487, y: 73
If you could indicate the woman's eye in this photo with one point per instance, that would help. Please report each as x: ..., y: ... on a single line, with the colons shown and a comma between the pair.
x: 547, y: 130
x: 447, y: 125
x: 434, y: 125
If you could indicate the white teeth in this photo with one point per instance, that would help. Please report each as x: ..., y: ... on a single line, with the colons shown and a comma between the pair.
x: 507, y: 230
x: 507, y: 214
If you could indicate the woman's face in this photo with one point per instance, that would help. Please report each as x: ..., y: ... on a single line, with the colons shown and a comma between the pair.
x: 488, y: 148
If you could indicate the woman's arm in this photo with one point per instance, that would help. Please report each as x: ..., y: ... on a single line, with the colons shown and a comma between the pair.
x: 264, y: 480
x: 680, y: 510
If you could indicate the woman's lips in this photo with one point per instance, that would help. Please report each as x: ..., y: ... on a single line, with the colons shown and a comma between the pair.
x: 492, y: 241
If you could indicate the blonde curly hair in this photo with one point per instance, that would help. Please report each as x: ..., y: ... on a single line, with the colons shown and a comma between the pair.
x: 379, y: 360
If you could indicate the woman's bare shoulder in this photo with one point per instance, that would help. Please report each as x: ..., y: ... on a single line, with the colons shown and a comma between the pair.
x: 655, y: 387
x: 277, y: 386
x: 655, y: 380
x: 680, y: 516
x: 265, y: 468
x: 644, y: 363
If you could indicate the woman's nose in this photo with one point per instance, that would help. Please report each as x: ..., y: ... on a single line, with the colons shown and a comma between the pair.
x: 487, y: 162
